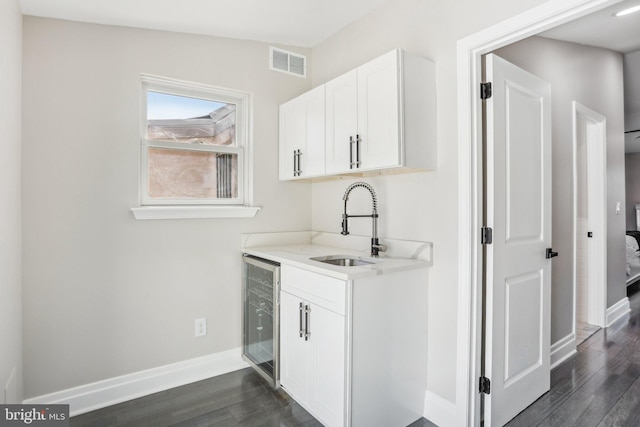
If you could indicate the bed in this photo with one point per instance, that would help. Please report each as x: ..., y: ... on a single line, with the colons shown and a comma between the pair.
x: 633, y: 256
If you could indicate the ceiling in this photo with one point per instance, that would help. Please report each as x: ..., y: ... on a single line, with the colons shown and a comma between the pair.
x: 302, y: 23
x: 621, y: 34
x: 602, y: 29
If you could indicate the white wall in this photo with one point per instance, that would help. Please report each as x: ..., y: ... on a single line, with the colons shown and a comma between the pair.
x: 593, y: 77
x: 104, y: 294
x: 420, y: 206
x: 10, y: 207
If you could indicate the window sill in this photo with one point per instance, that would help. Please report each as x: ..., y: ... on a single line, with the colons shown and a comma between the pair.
x: 194, y: 212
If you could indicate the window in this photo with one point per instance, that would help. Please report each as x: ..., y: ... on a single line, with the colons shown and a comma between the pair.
x: 195, y: 151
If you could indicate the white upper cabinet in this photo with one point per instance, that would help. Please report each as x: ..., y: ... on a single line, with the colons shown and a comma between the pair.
x: 342, y: 121
x: 302, y: 138
x: 363, y: 117
x: 382, y: 115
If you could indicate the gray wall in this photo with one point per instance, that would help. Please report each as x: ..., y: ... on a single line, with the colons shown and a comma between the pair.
x: 632, y: 187
x: 417, y: 206
x: 104, y: 294
x: 593, y: 77
x: 10, y: 207
x: 632, y: 91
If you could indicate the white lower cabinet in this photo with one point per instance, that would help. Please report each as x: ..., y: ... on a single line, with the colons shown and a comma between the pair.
x: 312, y: 357
x: 353, y: 352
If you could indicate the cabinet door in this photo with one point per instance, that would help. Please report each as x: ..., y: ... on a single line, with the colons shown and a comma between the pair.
x: 342, y: 121
x: 302, y: 130
x: 379, y: 112
x: 313, y: 158
x: 294, y: 366
x: 292, y: 136
x: 327, y: 357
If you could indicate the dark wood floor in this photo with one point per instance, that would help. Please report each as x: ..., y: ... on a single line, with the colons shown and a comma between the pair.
x: 600, y: 386
x: 240, y: 398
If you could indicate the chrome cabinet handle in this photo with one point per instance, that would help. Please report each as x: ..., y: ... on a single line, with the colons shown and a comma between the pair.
x: 295, y: 163
x: 301, y: 310
x: 297, y: 170
x: 351, y: 162
x: 307, y: 322
x: 358, y: 151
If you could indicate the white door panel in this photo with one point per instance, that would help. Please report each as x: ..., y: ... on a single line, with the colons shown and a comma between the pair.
x: 293, y: 349
x: 342, y: 121
x: 327, y: 357
x: 518, y: 275
x: 378, y: 112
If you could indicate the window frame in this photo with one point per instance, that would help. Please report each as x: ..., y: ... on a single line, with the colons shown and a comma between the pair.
x: 241, y: 206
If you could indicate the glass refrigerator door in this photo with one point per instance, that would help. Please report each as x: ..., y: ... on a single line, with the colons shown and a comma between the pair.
x: 261, y: 317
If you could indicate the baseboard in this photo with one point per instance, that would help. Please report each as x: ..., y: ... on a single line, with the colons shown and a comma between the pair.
x: 617, y: 310
x: 115, y: 390
x: 562, y: 349
x: 439, y: 410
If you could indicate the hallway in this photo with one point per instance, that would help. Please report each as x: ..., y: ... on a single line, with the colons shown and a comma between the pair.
x: 600, y: 385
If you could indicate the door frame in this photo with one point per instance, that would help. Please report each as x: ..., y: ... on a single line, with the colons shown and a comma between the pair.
x: 596, y: 140
x: 470, y: 192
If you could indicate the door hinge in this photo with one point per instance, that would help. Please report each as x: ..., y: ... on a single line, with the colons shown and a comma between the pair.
x: 485, y: 90
x: 486, y: 235
x: 485, y: 385
x: 550, y: 253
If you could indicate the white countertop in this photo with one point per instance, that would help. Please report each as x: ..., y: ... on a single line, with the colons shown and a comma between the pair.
x: 297, y: 253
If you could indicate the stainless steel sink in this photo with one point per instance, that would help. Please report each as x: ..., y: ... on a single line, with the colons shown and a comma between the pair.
x: 341, y: 260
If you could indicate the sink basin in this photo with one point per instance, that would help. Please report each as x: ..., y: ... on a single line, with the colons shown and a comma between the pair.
x: 341, y: 260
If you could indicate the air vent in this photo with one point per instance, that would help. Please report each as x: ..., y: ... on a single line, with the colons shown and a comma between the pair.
x: 287, y: 62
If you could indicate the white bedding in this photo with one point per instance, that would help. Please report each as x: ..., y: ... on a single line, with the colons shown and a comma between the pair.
x: 633, y: 260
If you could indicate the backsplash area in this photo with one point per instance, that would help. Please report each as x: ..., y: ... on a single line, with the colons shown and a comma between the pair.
x: 408, y: 249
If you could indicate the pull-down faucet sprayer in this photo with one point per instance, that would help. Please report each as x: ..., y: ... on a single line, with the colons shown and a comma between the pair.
x: 375, y: 244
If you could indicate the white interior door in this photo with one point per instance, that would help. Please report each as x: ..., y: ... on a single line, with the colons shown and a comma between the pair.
x: 518, y: 209
x: 589, y: 128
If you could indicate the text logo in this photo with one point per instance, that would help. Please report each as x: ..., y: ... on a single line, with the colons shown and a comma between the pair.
x: 34, y: 415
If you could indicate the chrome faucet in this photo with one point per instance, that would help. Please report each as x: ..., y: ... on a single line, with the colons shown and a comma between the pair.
x: 375, y: 244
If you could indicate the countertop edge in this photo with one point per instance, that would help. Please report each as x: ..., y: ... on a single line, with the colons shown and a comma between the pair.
x: 299, y: 256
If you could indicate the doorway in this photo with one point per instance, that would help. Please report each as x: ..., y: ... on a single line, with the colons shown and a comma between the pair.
x: 590, y: 227
x: 470, y: 51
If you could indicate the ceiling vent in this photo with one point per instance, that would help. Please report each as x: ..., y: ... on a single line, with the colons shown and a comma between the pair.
x: 287, y: 62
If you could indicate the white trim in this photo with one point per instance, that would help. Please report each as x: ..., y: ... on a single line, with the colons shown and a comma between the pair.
x: 563, y: 349
x: 243, y: 146
x: 596, y: 139
x: 438, y: 410
x: 194, y: 212
x: 617, y: 311
x: 115, y: 390
x: 470, y: 49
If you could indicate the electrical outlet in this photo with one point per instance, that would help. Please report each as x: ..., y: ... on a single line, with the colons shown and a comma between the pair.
x: 201, y: 327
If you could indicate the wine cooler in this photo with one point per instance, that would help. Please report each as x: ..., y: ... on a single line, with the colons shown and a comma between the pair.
x: 261, y: 316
